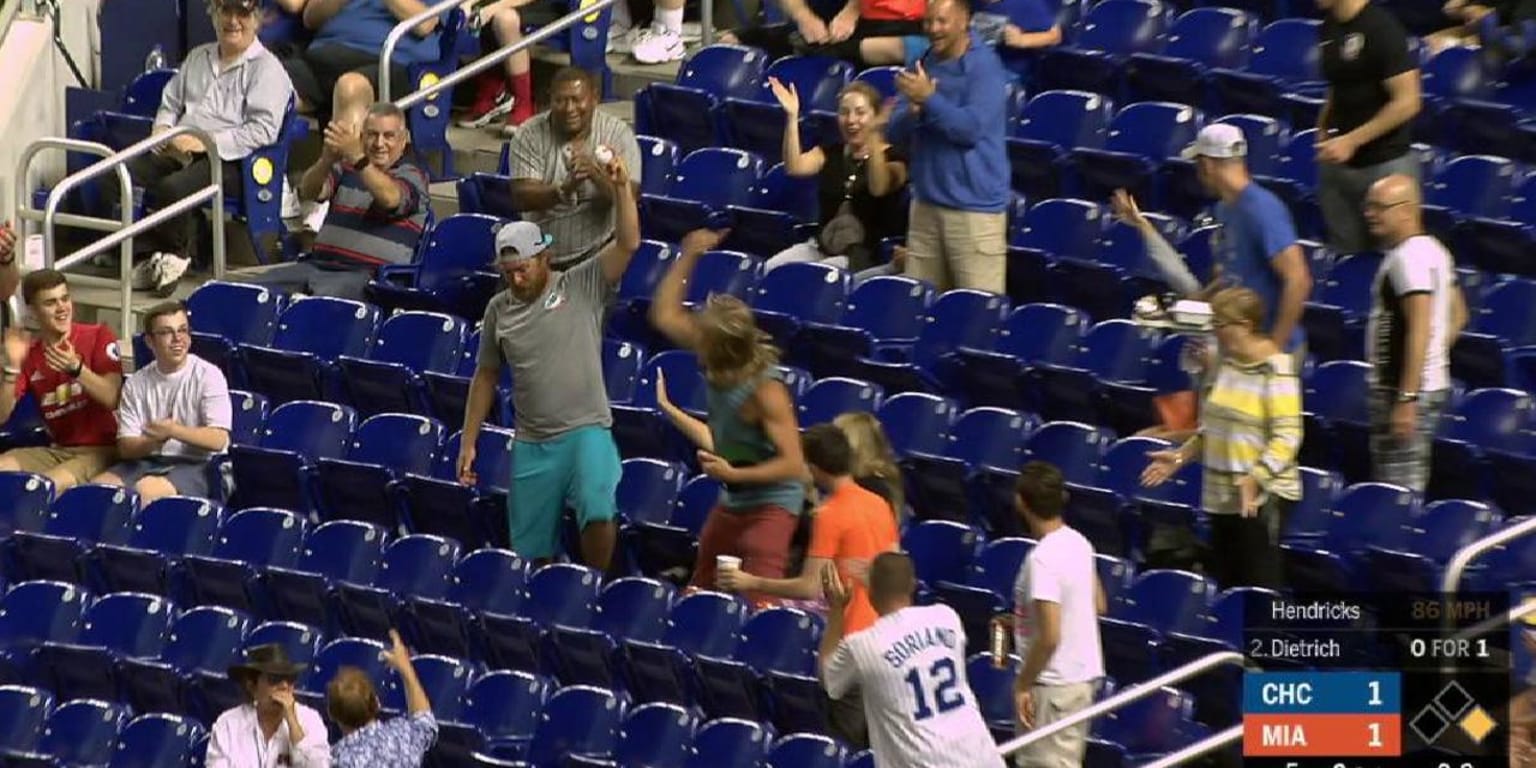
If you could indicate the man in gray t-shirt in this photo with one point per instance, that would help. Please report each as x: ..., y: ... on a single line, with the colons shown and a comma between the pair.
x: 173, y: 416
x: 548, y: 326
x: 556, y: 161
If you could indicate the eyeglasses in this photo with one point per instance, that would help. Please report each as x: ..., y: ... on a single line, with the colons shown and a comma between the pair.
x: 279, y: 679
x: 171, y: 333
x: 1378, y: 207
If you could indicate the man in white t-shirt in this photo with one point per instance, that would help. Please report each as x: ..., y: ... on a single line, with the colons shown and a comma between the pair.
x: 1417, y: 311
x: 1057, y: 602
x: 173, y: 416
x: 910, y: 668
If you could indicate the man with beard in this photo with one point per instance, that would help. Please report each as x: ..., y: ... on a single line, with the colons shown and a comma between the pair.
x: 75, y: 373
x: 548, y: 326
x: 174, y: 414
x: 557, y: 161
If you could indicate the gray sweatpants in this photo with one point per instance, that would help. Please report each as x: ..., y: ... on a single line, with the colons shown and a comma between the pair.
x: 1341, y: 197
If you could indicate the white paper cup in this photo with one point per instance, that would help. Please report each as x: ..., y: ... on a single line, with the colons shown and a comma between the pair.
x: 727, y: 562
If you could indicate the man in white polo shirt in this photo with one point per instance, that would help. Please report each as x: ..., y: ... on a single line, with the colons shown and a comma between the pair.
x: 174, y: 414
x: 1057, y: 602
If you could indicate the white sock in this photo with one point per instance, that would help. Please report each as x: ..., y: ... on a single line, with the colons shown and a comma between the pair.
x: 670, y: 19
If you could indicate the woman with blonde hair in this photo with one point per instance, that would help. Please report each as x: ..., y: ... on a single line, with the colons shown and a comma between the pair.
x: 1250, y: 433
x: 874, y: 463
x: 751, y: 441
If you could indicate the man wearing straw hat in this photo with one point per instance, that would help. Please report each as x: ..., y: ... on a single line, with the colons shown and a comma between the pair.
x: 271, y: 730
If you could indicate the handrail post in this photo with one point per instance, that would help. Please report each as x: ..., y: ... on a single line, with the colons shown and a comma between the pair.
x: 393, y: 39
x: 1139, y: 691
x: 1450, y: 581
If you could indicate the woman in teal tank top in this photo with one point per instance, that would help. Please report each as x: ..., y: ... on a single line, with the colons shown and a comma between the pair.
x: 751, y: 440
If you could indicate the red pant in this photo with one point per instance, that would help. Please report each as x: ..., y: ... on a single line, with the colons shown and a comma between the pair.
x: 760, y: 536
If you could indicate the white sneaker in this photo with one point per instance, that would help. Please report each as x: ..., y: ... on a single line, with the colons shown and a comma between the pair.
x: 146, y: 274
x: 172, y: 267
x: 290, y: 201
x: 314, y: 214
x: 659, y: 46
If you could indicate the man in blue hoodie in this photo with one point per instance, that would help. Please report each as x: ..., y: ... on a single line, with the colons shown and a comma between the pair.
x: 952, y: 115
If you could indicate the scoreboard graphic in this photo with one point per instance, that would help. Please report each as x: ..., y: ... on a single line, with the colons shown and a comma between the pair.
x: 1363, y: 680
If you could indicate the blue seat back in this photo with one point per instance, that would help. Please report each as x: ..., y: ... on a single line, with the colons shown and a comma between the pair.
x: 302, y: 642
x: 489, y: 581
x: 633, y: 608
x: 1155, y: 130
x: 1492, y: 419
x: 648, y: 490
x: 724, y: 71
x: 23, y: 711
x: 34, y: 612
x: 505, y: 703
x: 779, y: 191
x: 90, y: 513
x: 249, y: 415
x: 398, y: 441
x: 176, y: 525
x: 344, y: 550
x: 1042, y: 333
x: 806, y: 750
x: 960, y: 318
x: 717, y: 177
x: 1474, y: 185
x: 997, y: 564
x: 421, y: 341
x: 1169, y: 600
x: 1065, y: 119
x: 366, y: 655
x: 723, y: 273
x: 1215, y: 37
x: 156, y: 740
x: 456, y: 246
x: 261, y: 537
x: 882, y: 79
x: 917, y: 422
x: 705, y: 623
x: 818, y: 79
x: 82, y: 732
x: 142, y: 98
x: 889, y: 307
x: 327, y: 327
x: 1117, y: 350
x: 580, y: 720
x: 779, y: 640
x: 493, y: 458
x: 645, y: 270
x: 655, y: 734
x: 808, y: 290
x: 1072, y: 446
x: 128, y: 624
x: 729, y: 742
x: 1266, y: 137
x: 991, y: 437
x: 1122, y: 26
x: 833, y: 396
x: 1287, y: 49
x: 418, y: 565
x: 1062, y: 228
x: 564, y: 594
x: 695, y: 500
x: 239, y: 312
x: 621, y: 369
x: 658, y: 160
x: 1338, y: 390
x: 444, y: 679
x: 310, y: 428
x: 941, y: 550
x: 685, y: 382
x: 24, y: 500
x: 205, y: 637
x: 1456, y: 72
x: 1508, y: 311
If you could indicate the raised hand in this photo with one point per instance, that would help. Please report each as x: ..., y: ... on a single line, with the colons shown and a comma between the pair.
x: 787, y: 94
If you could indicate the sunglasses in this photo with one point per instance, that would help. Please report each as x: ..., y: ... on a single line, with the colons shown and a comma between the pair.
x: 279, y: 679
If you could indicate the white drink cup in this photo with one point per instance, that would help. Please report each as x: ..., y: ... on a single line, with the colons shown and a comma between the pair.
x: 727, y: 562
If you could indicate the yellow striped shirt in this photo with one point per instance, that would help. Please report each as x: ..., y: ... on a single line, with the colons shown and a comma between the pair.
x: 1251, y: 425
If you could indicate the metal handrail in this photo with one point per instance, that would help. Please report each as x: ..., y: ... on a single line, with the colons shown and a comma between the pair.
x: 1208, y: 744
x: 1450, y: 582
x: 1134, y: 693
x: 1497, y: 622
x: 478, y: 65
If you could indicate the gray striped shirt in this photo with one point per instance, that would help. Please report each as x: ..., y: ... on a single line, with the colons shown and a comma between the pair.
x: 536, y: 153
x: 910, y: 666
x: 241, y: 104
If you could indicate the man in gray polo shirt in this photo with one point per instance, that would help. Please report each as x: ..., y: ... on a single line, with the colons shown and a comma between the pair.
x: 557, y: 168
x: 548, y: 325
x: 173, y: 416
x: 237, y: 91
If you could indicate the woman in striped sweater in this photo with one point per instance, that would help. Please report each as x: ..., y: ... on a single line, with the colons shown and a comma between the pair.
x: 1250, y: 433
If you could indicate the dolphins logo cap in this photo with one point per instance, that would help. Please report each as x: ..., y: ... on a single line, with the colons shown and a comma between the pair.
x: 520, y: 240
x: 1218, y: 140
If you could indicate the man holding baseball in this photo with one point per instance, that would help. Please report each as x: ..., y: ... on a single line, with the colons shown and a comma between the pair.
x: 557, y: 159
x: 548, y: 325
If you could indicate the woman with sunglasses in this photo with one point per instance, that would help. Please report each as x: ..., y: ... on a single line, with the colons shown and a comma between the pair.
x: 1249, y: 436
x: 270, y: 730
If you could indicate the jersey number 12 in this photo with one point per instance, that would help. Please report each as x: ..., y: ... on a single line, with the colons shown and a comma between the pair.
x: 942, y: 680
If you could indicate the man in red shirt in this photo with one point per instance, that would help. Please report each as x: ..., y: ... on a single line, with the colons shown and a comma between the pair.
x: 74, y: 372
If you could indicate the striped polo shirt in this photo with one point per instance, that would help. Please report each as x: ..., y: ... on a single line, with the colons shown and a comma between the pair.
x: 357, y: 231
x: 1251, y: 424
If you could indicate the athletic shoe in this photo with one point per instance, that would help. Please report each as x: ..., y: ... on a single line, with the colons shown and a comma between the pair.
x: 171, y: 268
x: 622, y: 39
x: 659, y: 45
x: 498, y: 109
x: 146, y: 273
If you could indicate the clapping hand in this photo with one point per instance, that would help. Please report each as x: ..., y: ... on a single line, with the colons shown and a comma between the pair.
x: 160, y: 429
x: 915, y: 84
x: 343, y: 142
x: 62, y: 357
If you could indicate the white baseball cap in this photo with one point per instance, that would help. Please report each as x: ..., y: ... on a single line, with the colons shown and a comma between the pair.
x: 523, y: 238
x: 1219, y: 140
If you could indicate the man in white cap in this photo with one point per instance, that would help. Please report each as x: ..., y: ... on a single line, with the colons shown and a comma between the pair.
x: 1257, y: 246
x: 548, y: 326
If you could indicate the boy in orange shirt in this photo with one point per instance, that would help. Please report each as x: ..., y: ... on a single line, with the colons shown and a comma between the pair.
x: 849, y: 529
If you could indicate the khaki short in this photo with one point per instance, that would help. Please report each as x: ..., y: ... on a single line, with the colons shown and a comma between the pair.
x: 74, y: 465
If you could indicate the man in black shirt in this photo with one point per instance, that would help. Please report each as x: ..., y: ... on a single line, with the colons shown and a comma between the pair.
x: 1364, y: 128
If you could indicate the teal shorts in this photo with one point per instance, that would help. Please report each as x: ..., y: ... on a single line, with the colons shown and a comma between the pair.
x: 579, y: 468
x: 913, y: 47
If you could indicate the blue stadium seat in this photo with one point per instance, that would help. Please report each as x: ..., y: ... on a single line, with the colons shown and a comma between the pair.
x: 336, y: 551
x: 418, y: 565
x: 485, y: 581
x: 639, y: 428
x: 959, y: 319
x: 1181, y: 191
x: 23, y: 711
x: 1433, y: 538
x: 704, y: 623
x: 729, y: 742
x: 1198, y: 40
x: 578, y: 720
x: 1336, y: 428
x: 225, y: 315
x: 445, y: 679
x: 408, y: 344
x: 654, y: 734
x: 1049, y: 126
x: 993, y: 688
x: 367, y: 655
x: 1378, y: 514
x: 156, y: 740
x: 24, y: 499
x: 165, y: 529
x: 33, y: 613
x: 310, y: 335
x: 806, y: 750
x: 1141, y: 137
x: 941, y: 550
x: 1473, y: 185
x: 997, y: 563
x: 621, y: 369
x: 830, y: 397
x: 82, y: 732
x: 915, y: 422
x: 1154, y: 725
x: 655, y: 546
x: 1113, y: 351
x: 783, y: 211
x: 886, y: 310
x: 273, y: 472
x: 756, y: 122
x: 1073, y: 447
x: 205, y: 638
x: 80, y: 517
x: 558, y: 594
x: 452, y: 274
x: 123, y: 624
x: 684, y: 111
x: 503, y: 705
x: 439, y: 505
x: 865, y: 759
x: 1130, y: 650
x: 1108, y: 33
x: 795, y: 294
x: 249, y: 540
x: 979, y: 437
x: 1487, y: 421
x: 706, y: 181
x: 772, y: 640
x: 249, y: 414
x: 658, y: 160
x: 627, y: 609
x: 383, y: 449
x: 648, y: 490
x: 1124, y: 247
x: 1169, y: 600
x: 487, y: 193
x: 1284, y: 55
x: 1033, y: 334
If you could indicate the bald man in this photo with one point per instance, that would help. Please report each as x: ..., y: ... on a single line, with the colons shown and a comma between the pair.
x: 1417, y: 311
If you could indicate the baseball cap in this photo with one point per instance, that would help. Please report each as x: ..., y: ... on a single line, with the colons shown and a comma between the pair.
x: 523, y: 238
x: 243, y: 6
x: 1218, y: 140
